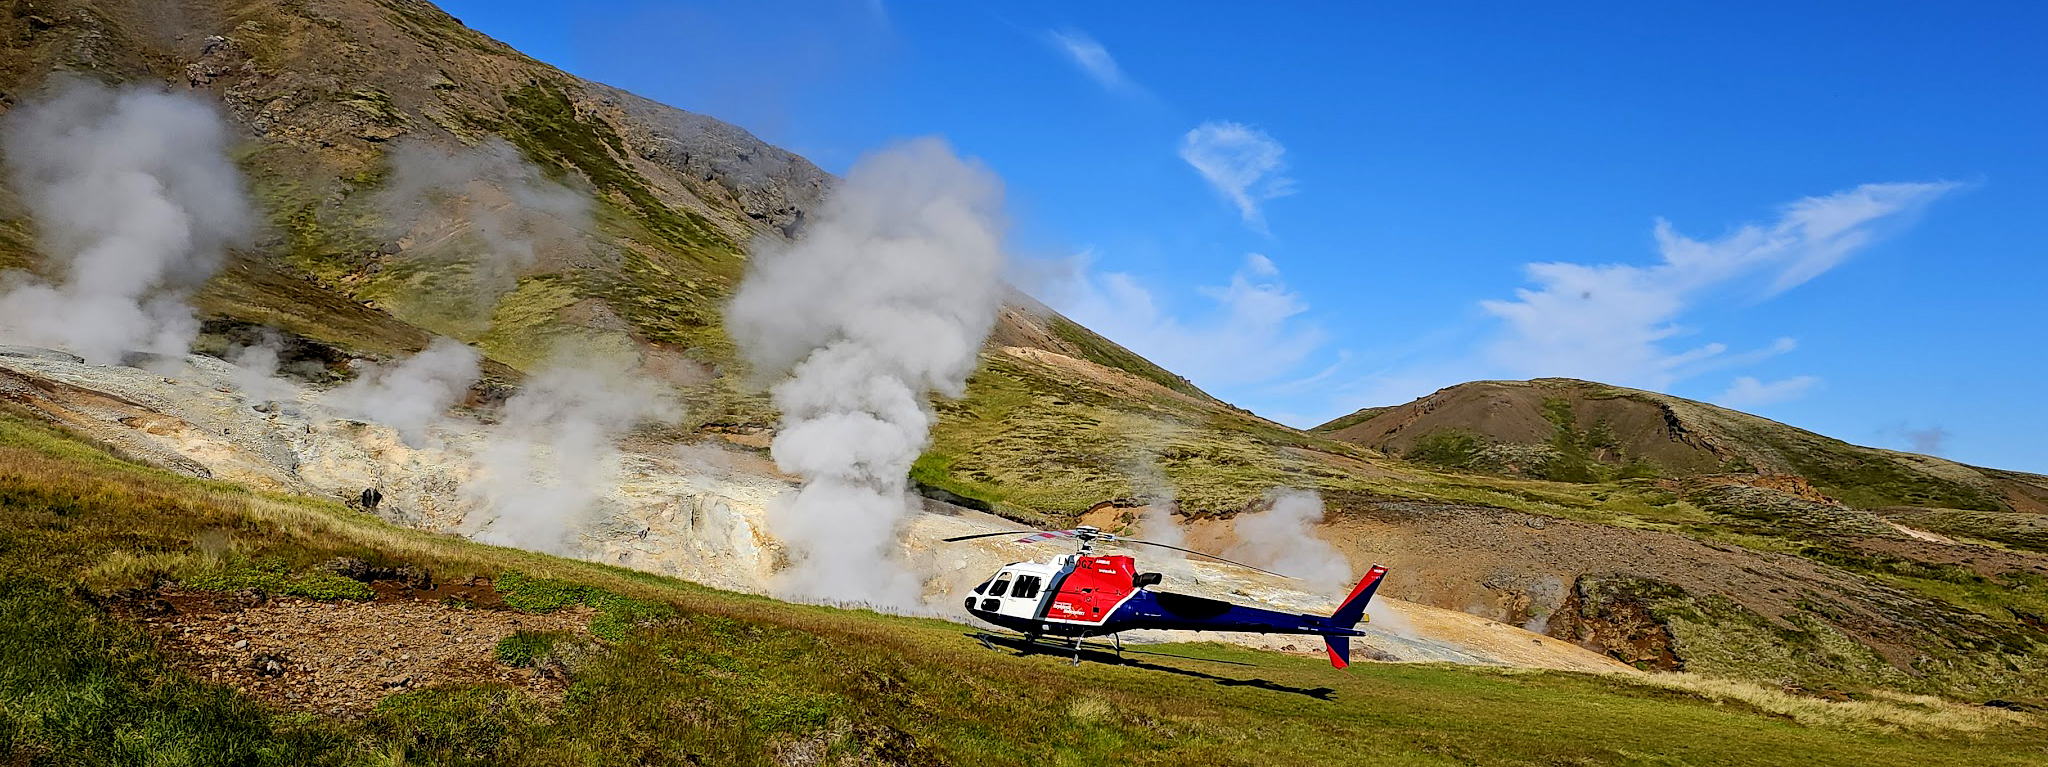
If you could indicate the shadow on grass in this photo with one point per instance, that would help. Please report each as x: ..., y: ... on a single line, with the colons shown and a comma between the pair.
x: 1104, y: 654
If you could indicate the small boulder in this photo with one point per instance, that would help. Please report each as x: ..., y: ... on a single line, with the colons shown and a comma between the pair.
x: 267, y: 664
x: 414, y: 576
x: 350, y: 568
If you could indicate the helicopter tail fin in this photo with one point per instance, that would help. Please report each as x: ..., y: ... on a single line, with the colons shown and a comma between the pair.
x: 1353, y: 609
x: 1350, y: 613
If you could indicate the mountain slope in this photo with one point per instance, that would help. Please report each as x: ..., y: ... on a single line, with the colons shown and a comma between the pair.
x: 327, y: 93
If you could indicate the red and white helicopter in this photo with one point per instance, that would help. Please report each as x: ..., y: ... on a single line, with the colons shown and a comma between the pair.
x: 1083, y: 595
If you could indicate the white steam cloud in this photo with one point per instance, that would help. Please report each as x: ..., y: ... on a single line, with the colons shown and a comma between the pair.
x: 545, y: 466
x: 415, y: 393
x: 255, y: 373
x: 886, y: 298
x: 1156, y: 522
x: 511, y: 206
x: 135, y: 199
x: 1283, y: 539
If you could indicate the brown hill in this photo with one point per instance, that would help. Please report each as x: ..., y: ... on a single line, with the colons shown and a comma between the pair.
x: 1580, y: 431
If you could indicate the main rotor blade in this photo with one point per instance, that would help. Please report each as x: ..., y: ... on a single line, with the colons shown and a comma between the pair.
x: 1209, y: 555
x: 1046, y: 536
x: 1029, y: 535
x: 982, y: 534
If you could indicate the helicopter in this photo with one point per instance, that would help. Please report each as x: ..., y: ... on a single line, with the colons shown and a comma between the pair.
x: 1081, y: 595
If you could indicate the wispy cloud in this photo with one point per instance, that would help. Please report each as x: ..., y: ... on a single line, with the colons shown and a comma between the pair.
x: 1622, y: 324
x: 1931, y: 440
x: 1748, y: 391
x: 1242, y: 162
x: 1253, y: 331
x: 1616, y: 322
x: 1089, y: 55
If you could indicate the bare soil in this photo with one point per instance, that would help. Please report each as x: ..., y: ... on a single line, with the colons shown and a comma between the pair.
x: 341, y: 658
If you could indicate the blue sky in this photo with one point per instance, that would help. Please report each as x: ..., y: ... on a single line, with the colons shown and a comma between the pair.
x: 1831, y: 215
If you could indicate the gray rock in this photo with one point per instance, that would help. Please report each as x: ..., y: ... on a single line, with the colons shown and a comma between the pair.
x: 38, y: 353
x: 775, y: 188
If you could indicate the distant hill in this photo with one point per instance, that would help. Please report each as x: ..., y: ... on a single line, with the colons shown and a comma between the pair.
x: 1580, y: 431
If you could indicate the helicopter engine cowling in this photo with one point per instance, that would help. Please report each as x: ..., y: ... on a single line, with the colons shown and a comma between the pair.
x: 1093, y: 590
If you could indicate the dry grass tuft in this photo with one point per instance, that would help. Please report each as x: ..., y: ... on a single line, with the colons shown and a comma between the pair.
x: 1888, y: 712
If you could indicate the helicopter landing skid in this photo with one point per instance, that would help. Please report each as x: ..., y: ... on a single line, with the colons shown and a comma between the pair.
x: 1074, y: 646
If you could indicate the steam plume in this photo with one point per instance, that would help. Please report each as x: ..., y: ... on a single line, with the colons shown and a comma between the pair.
x: 887, y: 298
x: 414, y: 394
x: 555, y: 448
x: 1156, y: 522
x: 255, y: 374
x: 1283, y: 539
x: 507, y: 203
x: 134, y: 197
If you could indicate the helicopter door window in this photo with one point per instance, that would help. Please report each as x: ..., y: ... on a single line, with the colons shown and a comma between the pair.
x: 1027, y: 587
x: 1001, y: 587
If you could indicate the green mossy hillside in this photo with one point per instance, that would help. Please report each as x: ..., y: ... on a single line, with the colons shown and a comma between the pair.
x: 698, y: 676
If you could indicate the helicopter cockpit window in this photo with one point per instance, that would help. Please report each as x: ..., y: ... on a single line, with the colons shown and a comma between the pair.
x: 1027, y: 587
x: 1001, y: 587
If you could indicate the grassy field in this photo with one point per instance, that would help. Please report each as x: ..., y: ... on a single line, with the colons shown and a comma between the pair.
x: 689, y: 675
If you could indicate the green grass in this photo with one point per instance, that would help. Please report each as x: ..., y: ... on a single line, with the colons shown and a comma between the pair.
x: 618, y: 615
x: 1449, y: 448
x: 272, y: 576
x: 1871, y: 481
x: 523, y: 649
x: 697, y: 676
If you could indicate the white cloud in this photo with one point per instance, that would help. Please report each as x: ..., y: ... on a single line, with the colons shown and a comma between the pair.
x: 1748, y: 392
x: 1616, y: 322
x: 1253, y: 334
x: 1093, y: 59
x: 1242, y: 162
